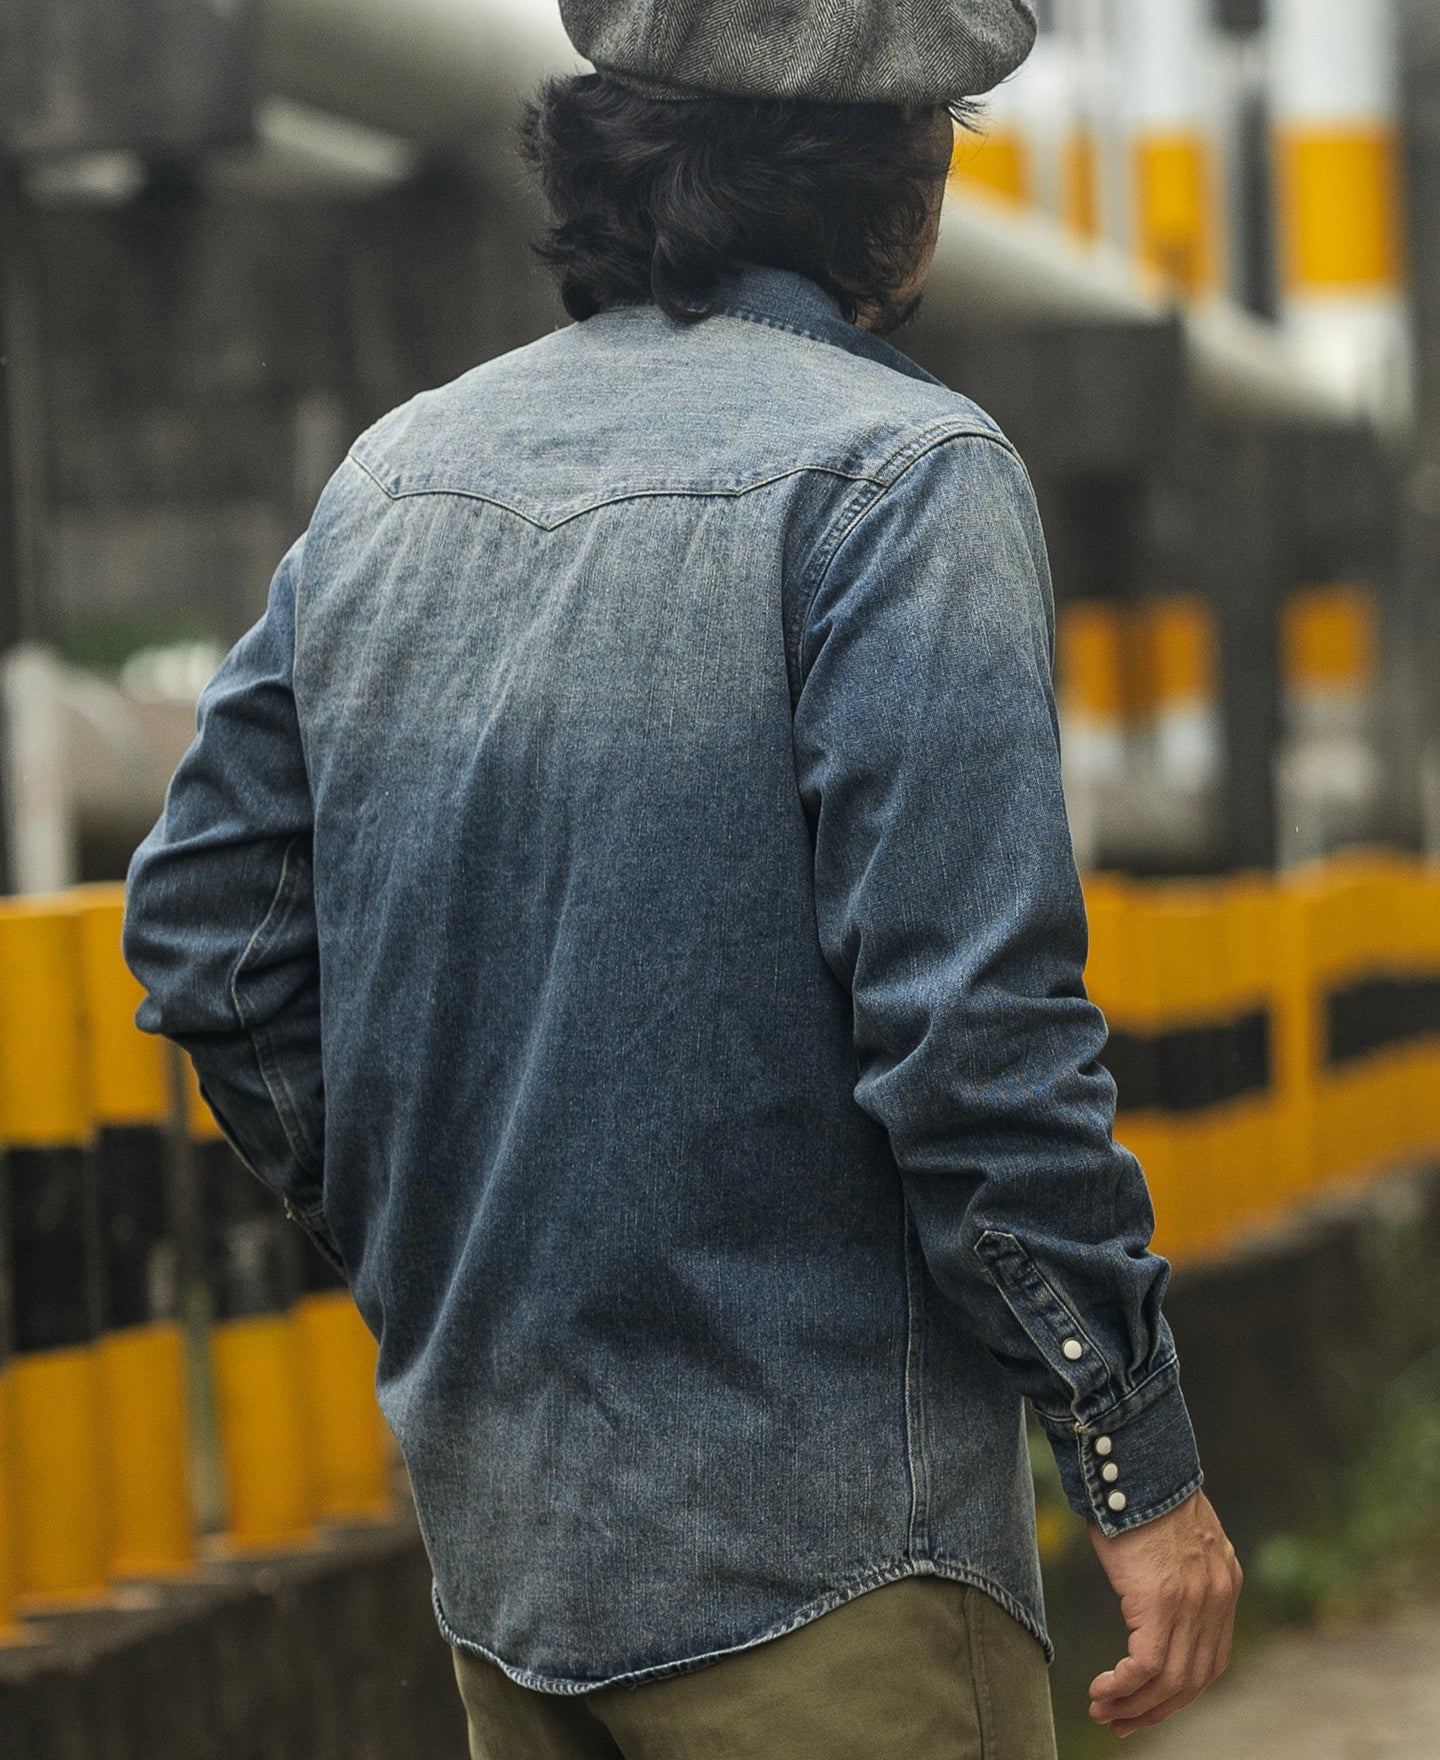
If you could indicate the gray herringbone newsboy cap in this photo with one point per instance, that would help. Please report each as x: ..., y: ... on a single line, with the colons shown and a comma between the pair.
x: 830, y: 51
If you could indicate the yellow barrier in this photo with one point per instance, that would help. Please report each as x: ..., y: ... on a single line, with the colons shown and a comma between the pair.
x: 1269, y: 1036
x: 60, y: 1481
x: 1124, y: 977
x: 8, y: 1628
x: 1253, y: 985
x: 337, y: 1356
x: 95, y: 1434
x: 266, y: 1440
x: 142, y: 1356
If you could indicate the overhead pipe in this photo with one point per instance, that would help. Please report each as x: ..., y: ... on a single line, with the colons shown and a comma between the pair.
x: 445, y: 73
x: 992, y: 266
x: 450, y: 73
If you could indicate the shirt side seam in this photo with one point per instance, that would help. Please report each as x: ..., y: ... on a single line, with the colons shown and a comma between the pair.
x: 917, y: 1536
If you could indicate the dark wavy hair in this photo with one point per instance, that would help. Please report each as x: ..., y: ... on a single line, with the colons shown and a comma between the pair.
x: 652, y: 200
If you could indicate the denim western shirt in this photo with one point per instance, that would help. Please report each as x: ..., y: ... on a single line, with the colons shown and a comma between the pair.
x: 620, y: 897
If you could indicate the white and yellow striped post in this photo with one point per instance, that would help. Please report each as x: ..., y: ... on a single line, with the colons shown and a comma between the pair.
x: 1090, y: 677
x: 1178, y: 653
x: 1092, y: 169
x: 1176, y: 190
x: 1338, y: 201
x: 1328, y: 778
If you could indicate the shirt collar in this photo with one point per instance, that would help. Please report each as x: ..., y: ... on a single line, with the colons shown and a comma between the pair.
x: 795, y: 302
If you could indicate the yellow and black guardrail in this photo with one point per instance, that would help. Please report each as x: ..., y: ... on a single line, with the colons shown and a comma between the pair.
x: 142, y: 1351
x: 59, y: 1487
x: 1269, y: 1036
x: 108, y: 1156
x: 252, y: 1260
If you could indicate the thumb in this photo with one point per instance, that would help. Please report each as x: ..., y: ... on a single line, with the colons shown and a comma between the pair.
x: 1141, y: 1665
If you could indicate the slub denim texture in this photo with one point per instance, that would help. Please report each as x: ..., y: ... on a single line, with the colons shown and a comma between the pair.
x: 620, y: 897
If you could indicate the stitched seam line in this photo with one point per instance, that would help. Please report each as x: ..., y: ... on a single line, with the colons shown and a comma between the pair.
x: 752, y: 316
x: 914, y: 1413
x: 908, y: 455
x: 1000, y: 1278
x: 271, y: 1074
x: 1130, y: 1403
x: 952, y: 1570
x: 676, y: 491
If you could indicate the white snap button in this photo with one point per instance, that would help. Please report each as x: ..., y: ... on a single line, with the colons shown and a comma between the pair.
x: 1109, y: 1472
x: 1103, y: 1445
x: 1073, y: 1348
x: 1116, y: 1500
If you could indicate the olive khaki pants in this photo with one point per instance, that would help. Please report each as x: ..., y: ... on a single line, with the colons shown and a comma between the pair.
x: 923, y: 1669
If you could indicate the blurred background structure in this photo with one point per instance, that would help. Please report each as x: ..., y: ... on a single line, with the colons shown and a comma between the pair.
x: 1191, y: 263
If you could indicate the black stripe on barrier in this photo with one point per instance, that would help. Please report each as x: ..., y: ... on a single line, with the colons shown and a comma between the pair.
x: 1379, y: 1012
x: 141, y: 1264
x: 7, y: 1308
x: 1190, y: 1067
x: 253, y: 1263
x: 55, y: 1260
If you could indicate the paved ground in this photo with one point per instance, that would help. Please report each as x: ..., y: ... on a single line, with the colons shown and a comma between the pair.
x: 1364, y: 1693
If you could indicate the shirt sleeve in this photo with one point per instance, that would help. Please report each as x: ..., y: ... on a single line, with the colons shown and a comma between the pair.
x: 948, y: 904
x: 220, y: 916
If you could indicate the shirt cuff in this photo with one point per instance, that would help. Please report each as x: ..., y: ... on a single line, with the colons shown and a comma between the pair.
x: 1135, y: 1461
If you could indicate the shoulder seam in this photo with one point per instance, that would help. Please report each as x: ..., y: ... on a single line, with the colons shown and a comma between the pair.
x: 857, y: 508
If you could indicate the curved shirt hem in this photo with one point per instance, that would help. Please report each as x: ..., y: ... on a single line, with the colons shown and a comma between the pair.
x: 876, y: 1578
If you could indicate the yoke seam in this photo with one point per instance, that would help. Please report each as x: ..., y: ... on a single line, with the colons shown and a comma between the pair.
x: 681, y: 491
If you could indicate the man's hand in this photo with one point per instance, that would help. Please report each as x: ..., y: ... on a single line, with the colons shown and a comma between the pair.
x: 1178, y: 1581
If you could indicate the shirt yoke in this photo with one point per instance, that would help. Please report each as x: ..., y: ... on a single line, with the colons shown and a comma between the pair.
x: 589, y: 414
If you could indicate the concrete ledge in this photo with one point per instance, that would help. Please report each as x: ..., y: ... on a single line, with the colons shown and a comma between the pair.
x: 327, y: 1655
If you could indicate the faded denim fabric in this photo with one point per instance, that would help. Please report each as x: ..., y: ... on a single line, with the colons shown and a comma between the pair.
x: 620, y: 897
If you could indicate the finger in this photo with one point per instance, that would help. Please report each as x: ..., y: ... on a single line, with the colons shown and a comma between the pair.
x: 1214, y: 1652
x: 1173, y: 1677
x: 1227, y: 1638
x: 1216, y: 1655
x: 1124, y: 1726
x: 1149, y: 1645
x: 1206, y: 1661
